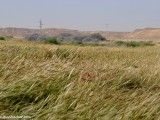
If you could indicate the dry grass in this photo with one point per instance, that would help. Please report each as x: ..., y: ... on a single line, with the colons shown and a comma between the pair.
x: 84, y: 83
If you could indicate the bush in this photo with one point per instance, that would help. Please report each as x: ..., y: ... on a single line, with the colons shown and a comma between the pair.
x: 98, y: 36
x: 52, y: 41
x: 36, y: 37
x: 79, y: 38
x: 2, y: 38
x: 67, y: 37
x: 148, y: 43
x: 134, y: 43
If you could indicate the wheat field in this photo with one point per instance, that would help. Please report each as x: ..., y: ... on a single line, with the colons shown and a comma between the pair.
x: 66, y: 82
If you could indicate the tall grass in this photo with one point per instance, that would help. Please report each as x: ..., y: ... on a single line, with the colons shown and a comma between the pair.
x: 72, y: 82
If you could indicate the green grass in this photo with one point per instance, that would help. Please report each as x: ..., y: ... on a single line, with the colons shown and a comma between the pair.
x: 50, y: 82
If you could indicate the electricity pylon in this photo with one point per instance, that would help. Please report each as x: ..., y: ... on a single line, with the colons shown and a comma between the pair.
x: 40, y: 24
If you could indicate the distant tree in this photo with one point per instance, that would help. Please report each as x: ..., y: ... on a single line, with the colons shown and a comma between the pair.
x: 98, y: 36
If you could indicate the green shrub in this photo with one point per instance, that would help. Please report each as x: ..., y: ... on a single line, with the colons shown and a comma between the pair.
x: 134, y: 43
x: 52, y: 41
x: 2, y: 38
x: 147, y: 43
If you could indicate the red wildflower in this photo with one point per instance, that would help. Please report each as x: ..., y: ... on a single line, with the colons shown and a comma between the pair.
x: 87, y: 76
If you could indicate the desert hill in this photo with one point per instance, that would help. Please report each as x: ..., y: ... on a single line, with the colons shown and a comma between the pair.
x: 147, y: 33
x: 22, y: 32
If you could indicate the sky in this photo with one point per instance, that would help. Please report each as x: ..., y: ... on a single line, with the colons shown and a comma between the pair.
x: 85, y: 15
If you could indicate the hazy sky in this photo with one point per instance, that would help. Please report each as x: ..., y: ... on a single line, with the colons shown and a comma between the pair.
x: 121, y: 15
